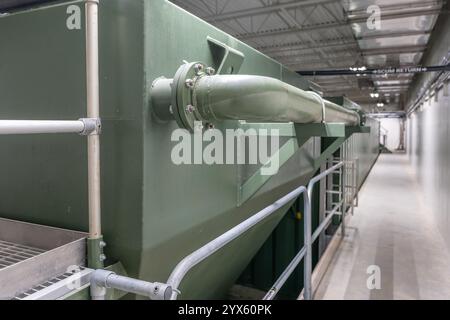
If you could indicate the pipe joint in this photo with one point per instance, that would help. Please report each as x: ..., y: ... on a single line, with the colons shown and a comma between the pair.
x: 100, y: 278
x: 176, y: 99
x: 92, y: 126
x: 103, y: 279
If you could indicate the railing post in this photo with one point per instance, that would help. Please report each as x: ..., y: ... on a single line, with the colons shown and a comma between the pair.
x: 344, y: 193
x: 307, y: 291
x: 95, y: 241
x: 307, y: 270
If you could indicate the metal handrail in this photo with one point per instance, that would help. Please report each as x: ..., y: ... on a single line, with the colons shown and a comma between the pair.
x: 90, y: 127
x: 306, y: 251
x: 192, y: 260
x: 21, y: 127
x: 210, y: 248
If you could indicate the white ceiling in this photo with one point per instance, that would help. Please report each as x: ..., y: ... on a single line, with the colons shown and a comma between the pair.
x: 332, y: 34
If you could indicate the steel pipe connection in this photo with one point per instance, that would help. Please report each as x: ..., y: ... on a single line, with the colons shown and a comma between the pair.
x: 103, y: 279
x: 195, y: 95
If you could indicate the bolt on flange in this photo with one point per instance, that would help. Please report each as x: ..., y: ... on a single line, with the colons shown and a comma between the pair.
x: 210, y: 71
x: 189, y: 83
x: 198, y: 68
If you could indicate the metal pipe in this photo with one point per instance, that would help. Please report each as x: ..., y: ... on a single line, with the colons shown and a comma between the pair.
x: 93, y: 111
x: 344, y: 188
x: 103, y: 279
x: 303, y: 252
x: 367, y: 72
x: 210, y: 248
x: 194, y: 96
x: 285, y: 276
x: 308, y: 258
x: 322, y: 175
x: 8, y: 127
x: 325, y: 222
x: 255, y: 98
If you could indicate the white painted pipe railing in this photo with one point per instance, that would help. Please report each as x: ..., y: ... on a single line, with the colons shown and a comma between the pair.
x: 21, y: 127
x: 93, y: 111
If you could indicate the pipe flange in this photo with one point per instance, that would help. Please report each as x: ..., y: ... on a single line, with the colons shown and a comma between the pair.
x: 185, y: 112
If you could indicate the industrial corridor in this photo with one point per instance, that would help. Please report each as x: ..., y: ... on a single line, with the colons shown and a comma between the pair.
x: 393, y: 229
x: 259, y: 151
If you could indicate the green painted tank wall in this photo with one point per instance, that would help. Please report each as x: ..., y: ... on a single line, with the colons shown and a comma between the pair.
x: 367, y: 148
x: 154, y: 213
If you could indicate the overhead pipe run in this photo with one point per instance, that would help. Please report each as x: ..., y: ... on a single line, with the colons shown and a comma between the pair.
x: 364, y: 71
x: 195, y: 95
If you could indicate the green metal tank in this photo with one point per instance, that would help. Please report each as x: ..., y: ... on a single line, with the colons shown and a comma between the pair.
x: 154, y: 213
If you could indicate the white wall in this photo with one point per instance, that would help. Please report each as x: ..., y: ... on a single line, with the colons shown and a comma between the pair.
x: 428, y: 144
x: 393, y: 135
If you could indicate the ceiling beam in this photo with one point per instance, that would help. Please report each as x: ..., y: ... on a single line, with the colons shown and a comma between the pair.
x: 394, y: 35
x: 366, y: 53
x: 393, y: 50
x: 336, y: 54
x: 293, y: 23
x: 323, y: 44
x: 265, y: 10
x: 310, y: 63
x: 289, y: 31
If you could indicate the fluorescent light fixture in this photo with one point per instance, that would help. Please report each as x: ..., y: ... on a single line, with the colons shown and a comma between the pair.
x: 364, y: 68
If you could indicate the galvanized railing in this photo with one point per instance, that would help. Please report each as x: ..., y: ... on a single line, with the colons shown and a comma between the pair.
x: 210, y: 248
x: 192, y: 260
x: 309, y: 239
x: 164, y: 291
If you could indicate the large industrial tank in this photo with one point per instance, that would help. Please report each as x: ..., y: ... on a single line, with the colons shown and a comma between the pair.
x: 154, y: 212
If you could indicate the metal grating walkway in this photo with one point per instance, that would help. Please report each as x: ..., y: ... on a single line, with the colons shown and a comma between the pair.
x: 12, y: 253
x: 44, y: 285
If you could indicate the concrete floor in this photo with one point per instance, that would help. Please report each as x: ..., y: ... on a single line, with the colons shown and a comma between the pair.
x: 391, y: 229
